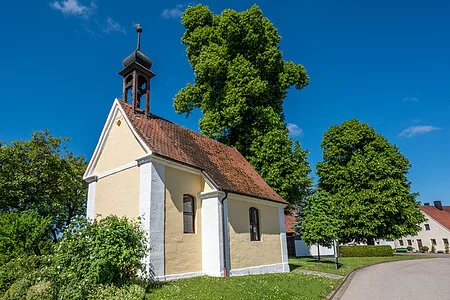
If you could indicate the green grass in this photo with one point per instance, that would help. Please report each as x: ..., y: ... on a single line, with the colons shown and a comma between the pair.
x: 346, y: 264
x: 291, y: 285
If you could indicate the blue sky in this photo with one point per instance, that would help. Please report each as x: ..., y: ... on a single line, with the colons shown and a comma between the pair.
x: 386, y: 63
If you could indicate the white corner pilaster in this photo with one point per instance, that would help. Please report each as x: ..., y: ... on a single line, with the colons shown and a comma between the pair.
x: 92, y: 187
x: 151, y: 211
x: 284, y: 253
x: 212, y: 233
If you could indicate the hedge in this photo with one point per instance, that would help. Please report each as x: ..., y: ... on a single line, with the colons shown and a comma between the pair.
x: 365, y: 251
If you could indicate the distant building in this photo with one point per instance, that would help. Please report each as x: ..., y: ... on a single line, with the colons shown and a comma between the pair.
x: 435, y: 231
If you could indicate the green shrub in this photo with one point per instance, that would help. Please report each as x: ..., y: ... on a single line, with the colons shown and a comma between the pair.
x: 424, y: 249
x: 446, y: 248
x: 29, y: 268
x: 433, y: 249
x: 23, y: 234
x: 106, y: 251
x: 410, y: 248
x: 111, y: 292
x: 365, y: 251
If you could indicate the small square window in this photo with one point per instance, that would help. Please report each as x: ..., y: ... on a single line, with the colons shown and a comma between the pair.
x: 445, y: 241
x: 409, y: 243
x: 427, y: 226
x: 401, y: 242
x: 433, y: 242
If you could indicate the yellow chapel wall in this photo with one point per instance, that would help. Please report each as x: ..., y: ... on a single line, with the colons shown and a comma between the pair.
x: 245, y: 253
x: 118, y: 194
x: 183, y: 251
x: 120, y: 148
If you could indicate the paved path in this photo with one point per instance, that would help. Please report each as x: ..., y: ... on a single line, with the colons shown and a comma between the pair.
x: 409, y: 279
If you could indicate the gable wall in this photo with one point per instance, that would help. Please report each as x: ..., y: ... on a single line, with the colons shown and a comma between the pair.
x: 183, y: 251
x: 437, y: 232
x: 120, y: 147
x: 245, y: 253
x: 118, y: 194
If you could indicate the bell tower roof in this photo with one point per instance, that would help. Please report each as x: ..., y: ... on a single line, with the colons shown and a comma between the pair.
x: 137, y: 56
x: 136, y: 78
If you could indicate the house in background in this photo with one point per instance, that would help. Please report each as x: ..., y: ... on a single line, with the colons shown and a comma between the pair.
x: 207, y: 211
x: 289, y: 223
x: 435, y: 231
x: 297, y: 247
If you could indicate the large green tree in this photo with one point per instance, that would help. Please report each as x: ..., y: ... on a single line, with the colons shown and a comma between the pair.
x: 240, y: 83
x: 362, y: 180
x: 42, y: 176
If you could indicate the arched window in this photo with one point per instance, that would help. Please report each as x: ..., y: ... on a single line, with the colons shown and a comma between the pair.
x: 254, y: 224
x: 188, y: 213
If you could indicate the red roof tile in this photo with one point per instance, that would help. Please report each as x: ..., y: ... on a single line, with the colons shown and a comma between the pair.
x: 441, y: 216
x: 289, y: 223
x: 224, y: 165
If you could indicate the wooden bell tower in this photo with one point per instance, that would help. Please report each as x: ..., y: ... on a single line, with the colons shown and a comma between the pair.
x: 136, y: 78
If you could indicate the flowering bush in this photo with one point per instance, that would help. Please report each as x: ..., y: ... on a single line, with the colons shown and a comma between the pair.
x: 105, y: 251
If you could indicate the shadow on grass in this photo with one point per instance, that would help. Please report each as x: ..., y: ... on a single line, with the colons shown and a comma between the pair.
x: 311, y: 261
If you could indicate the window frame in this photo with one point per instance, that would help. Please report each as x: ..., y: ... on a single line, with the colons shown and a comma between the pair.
x: 254, y: 221
x: 190, y: 214
x: 433, y: 242
x: 427, y: 227
x: 409, y: 242
x: 400, y: 243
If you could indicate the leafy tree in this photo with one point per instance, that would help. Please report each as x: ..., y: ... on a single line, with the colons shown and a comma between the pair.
x: 41, y: 175
x: 241, y: 81
x: 318, y: 226
x: 23, y: 234
x: 363, y: 177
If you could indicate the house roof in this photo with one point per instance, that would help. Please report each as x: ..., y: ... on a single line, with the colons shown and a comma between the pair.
x: 224, y: 165
x: 289, y: 223
x: 441, y: 216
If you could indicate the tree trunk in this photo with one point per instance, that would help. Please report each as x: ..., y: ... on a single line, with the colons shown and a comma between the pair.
x: 318, y: 252
x: 53, y: 231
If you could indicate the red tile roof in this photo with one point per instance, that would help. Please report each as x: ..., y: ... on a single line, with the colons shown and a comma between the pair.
x: 289, y: 223
x: 224, y: 165
x: 441, y: 216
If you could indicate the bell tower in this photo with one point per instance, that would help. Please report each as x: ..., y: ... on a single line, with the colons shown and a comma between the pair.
x: 136, y: 78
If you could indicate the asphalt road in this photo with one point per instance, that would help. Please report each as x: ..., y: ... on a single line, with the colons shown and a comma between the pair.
x: 411, y: 279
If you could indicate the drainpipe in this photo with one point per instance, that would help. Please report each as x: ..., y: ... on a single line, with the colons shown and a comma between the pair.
x: 224, y: 248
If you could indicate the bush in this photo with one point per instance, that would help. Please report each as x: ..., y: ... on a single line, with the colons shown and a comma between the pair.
x: 111, y: 292
x: 365, y: 251
x: 31, y: 269
x: 446, y: 248
x: 22, y: 234
x: 410, y: 248
x: 107, y: 251
x: 433, y: 249
x: 424, y: 249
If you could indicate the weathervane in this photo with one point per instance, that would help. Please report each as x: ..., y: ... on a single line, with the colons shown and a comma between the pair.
x: 139, y: 31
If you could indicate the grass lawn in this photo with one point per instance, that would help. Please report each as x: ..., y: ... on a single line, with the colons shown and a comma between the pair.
x: 291, y: 285
x: 347, y: 264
